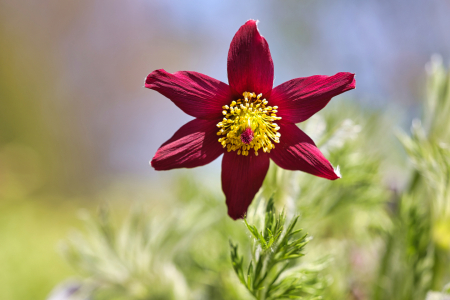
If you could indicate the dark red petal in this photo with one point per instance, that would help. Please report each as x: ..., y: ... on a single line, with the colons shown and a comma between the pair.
x: 242, y: 176
x: 250, y: 65
x: 194, y: 144
x: 196, y: 94
x: 300, y: 98
x: 296, y: 151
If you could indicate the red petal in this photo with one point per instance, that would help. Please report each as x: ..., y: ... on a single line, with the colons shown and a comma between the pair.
x: 242, y: 176
x: 296, y: 151
x: 300, y: 98
x: 194, y: 144
x: 196, y: 94
x: 250, y: 65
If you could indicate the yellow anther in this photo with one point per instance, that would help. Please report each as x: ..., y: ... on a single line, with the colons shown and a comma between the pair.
x: 252, y: 113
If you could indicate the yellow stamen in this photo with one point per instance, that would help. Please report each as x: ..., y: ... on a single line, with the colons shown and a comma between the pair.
x: 250, y: 112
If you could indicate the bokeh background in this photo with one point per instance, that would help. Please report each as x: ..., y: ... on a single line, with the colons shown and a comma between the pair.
x: 77, y: 128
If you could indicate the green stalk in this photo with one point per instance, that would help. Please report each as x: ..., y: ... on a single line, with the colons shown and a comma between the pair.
x: 386, y: 259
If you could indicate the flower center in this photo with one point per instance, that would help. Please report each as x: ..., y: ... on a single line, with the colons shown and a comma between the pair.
x: 249, y: 124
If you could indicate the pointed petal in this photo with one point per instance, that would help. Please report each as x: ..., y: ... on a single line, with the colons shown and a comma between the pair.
x: 194, y: 144
x: 250, y: 65
x: 300, y: 98
x: 196, y: 94
x: 242, y: 176
x: 296, y: 151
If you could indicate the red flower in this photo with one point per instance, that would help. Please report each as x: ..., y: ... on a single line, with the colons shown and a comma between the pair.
x: 239, y: 119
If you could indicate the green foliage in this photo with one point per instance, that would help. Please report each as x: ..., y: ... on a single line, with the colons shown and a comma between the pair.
x: 416, y: 258
x: 149, y: 255
x: 131, y: 261
x: 273, y: 271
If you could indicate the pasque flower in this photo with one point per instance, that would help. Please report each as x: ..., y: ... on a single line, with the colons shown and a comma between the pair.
x: 248, y: 121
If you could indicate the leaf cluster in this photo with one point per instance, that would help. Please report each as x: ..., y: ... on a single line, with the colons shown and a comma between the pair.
x: 272, y: 272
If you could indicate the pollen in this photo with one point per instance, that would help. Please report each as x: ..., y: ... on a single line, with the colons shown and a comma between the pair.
x: 249, y: 123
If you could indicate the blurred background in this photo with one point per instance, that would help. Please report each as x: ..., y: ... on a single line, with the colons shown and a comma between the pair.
x: 77, y: 128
